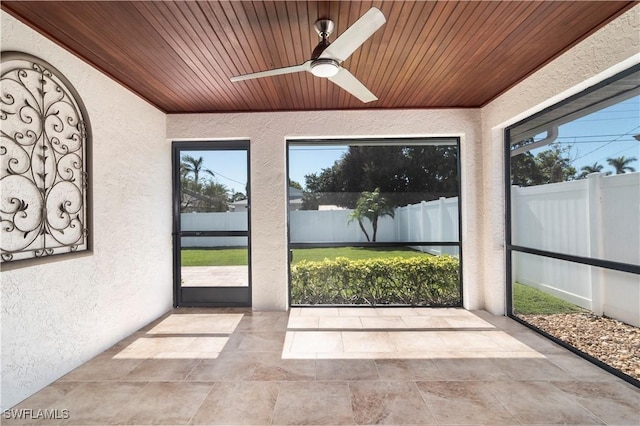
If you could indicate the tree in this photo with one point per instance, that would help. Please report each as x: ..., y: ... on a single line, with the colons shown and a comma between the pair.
x: 621, y: 164
x: 548, y: 166
x: 189, y: 164
x: 408, y: 174
x: 197, y: 194
x: 216, y: 197
x: 294, y: 184
x: 372, y: 206
x: 237, y: 196
x: 594, y: 168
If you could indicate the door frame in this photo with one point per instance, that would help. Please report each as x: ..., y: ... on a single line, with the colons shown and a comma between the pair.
x: 194, y: 296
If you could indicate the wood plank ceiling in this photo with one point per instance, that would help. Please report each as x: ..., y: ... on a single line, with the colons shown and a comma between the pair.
x: 430, y: 54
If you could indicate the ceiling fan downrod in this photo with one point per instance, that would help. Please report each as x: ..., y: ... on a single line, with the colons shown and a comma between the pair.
x: 324, y: 28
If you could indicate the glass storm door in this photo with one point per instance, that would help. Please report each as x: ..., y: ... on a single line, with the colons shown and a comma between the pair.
x: 211, y: 224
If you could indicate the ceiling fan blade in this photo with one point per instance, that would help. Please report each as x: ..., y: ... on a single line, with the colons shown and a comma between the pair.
x: 355, y: 35
x: 348, y: 82
x: 306, y: 66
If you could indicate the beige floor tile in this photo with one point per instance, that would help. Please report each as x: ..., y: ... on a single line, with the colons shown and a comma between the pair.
x: 186, y: 355
x: 613, y: 402
x: 340, y: 323
x: 103, y: 368
x: 207, y: 344
x: 467, y: 321
x: 313, y: 403
x: 272, y: 367
x: 515, y: 355
x: 464, y: 403
x: 541, y: 403
x: 300, y: 355
x: 443, y: 312
x: 256, y: 341
x: 306, y: 367
x: 537, y: 342
x: 164, y: 404
x: 362, y: 355
x: 413, y: 341
x: 504, y: 341
x: 238, y: 403
x: 579, y: 368
x: 367, y: 341
x: 46, y: 399
x: 264, y: 321
x: 408, y: 369
x: 229, y: 366
x: 197, y: 324
x: 389, y: 402
x: 422, y: 321
x: 295, y: 312
x: 382, y: 323
x: 98, y: 403
x: 478, y: 369
x: 298, y: 322
x: 49, y: 395
x: 401, y: 311
x: 316, y: 341
x: 346, y: 369
x: 455, y: 355
x: 159, y: 370
x: 531, y: 369
x: 319, y: 312
x: 504, y: 323
x: 464, y: 340
x: 150, y: 346
x: 358, y: 312
x: 288, y: 342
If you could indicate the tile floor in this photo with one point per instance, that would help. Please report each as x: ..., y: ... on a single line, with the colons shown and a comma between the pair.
x: 335, y: 366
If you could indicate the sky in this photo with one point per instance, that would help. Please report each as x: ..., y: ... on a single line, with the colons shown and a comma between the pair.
x: 229, y: 167
x: 607, y: 133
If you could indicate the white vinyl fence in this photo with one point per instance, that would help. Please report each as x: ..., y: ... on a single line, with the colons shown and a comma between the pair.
x: 225, y: 221
x: 433, y: 221
x: 595, y: 217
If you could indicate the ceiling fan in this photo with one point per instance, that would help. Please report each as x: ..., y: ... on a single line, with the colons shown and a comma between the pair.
x: 326, y: 59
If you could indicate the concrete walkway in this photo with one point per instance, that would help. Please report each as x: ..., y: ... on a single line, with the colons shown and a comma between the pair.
x: 215, y: 276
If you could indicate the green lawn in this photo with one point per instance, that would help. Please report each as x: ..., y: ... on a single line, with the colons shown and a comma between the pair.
x: 238, y: 256
x: 214, y: 257
x: 353, y: 253
x: 530, y: 301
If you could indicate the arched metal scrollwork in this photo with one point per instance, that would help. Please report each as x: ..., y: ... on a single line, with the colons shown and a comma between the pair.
x: 44, y: 138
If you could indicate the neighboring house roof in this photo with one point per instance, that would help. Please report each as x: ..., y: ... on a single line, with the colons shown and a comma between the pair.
x: 295, y: 200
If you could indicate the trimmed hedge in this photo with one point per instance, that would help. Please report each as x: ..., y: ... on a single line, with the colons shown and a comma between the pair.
x: 417, y: 281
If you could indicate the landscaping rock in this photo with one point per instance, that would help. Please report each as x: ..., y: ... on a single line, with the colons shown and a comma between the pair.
x: 612, y: 342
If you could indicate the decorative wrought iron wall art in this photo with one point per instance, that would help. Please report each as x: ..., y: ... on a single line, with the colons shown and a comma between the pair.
x: 44, y: 139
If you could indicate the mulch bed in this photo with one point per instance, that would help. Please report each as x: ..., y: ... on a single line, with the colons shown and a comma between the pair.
x: 611, y: 341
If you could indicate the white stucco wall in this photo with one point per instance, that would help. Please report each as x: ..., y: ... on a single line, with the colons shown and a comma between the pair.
x: 268, y: 133
x: 57, y: 315
x: 612, y: 49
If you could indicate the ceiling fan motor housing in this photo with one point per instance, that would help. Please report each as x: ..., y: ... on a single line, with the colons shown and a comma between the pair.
x: 324, y: 67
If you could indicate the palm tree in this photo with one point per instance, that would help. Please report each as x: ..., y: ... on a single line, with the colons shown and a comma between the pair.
x: 621, y: 164
x: 189, y: 164
x: 372, y: 206
x: 594, y: 168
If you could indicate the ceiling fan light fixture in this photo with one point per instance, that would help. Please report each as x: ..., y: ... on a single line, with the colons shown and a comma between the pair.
x: 324, y: 67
